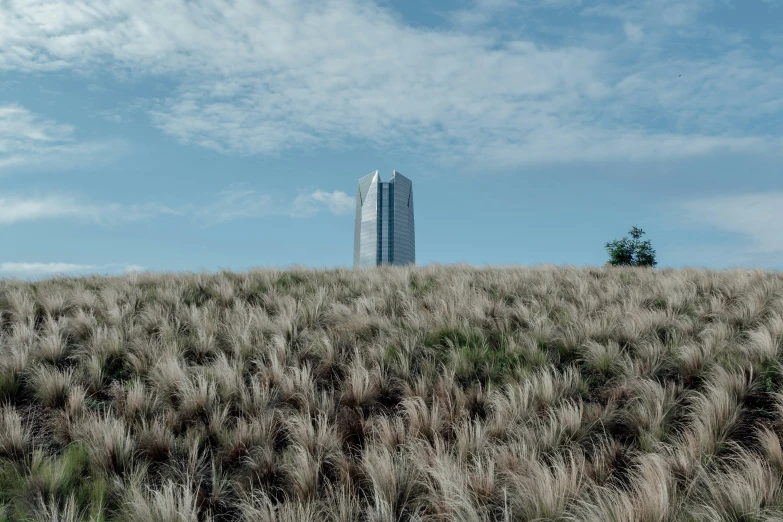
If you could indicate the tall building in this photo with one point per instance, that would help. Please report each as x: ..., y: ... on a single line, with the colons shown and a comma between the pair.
x: 383, y: 233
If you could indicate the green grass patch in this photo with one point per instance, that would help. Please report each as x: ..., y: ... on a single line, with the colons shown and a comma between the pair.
x: 255, y: 293
x: 12, y: 481
x: 558, y: 351
x: 51, y: 477
x: 289, y: 280
x: 475, y: 355
x: 9, y: 386
x: 457, y: 335
x: 196, y: 294
x: 422, y: 285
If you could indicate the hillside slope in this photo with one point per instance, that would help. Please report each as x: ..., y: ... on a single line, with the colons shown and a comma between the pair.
x: 430, y: 393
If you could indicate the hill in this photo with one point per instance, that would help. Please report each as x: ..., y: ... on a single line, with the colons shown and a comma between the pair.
x: 429, y: 393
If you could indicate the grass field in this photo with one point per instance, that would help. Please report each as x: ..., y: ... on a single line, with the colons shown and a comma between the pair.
x: 430, y: 393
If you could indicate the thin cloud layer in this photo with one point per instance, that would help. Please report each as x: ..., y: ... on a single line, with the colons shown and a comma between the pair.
x: 239, y: 202
x: 27, y: 270
x: 261, y: 78
x: 22, y: 130
x: 754, y: 218
x: 233, y: 203
x: 338, y: 203
x: 34, y: 269
x: 29, y: 140
x: 44, y: 268
x: 16, y: 209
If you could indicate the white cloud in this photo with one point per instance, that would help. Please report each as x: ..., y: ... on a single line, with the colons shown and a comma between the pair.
x: 236, y: 202
x: 28, y: 140
x: 111, y: 116
x: 44, y: 268
x: 659, y: 12
x: 754, y: 218
x: 15, y: 209
x: 19, y: 129
x: 262, y: 78
x: 239, y: 202
x: 37, y: 269
x: 480, y: 12
x: 774, y: 42
x: 633, y: 32
x: 337, y: 202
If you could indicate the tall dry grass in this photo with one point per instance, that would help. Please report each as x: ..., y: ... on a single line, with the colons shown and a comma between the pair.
x: 429, y: 393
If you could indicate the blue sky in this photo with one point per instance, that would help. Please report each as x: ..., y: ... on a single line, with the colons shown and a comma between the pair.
x: 198, y: 135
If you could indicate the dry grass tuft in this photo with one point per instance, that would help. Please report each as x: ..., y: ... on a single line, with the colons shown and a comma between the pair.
x: 169, y: 503
x: 15, y: 436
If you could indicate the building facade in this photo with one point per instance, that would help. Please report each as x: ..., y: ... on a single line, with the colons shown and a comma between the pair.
x: 383, y: 231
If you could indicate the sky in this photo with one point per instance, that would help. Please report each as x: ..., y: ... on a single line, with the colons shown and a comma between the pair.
x: 174, y: 135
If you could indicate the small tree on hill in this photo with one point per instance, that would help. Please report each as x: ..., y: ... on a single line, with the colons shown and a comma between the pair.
x: 631, y: 252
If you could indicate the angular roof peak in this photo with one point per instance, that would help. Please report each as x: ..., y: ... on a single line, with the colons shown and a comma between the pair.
x: 395, y: 174
x: 375, y: 176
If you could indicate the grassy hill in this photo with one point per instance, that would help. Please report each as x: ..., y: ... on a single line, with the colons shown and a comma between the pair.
x: 430, y: 393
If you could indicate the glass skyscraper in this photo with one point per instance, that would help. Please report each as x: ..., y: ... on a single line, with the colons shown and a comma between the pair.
x: 383, y: 232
